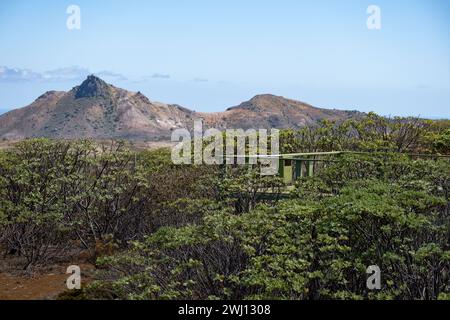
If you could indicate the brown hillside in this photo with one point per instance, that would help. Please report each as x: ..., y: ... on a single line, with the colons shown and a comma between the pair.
x: 99, y: 110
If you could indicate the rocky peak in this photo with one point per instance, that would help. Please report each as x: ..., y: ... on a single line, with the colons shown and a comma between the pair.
x: 262, y: 102
x: 47, y: 95
x: 142, y: 98
x: 92, y: 87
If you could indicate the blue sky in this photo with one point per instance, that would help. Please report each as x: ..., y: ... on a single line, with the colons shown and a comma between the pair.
x: 209, y: 55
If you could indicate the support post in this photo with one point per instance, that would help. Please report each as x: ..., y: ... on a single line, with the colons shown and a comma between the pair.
x: 298, y: 169
x: 310, y: 168
x: 281, y: 167
x: 288, y: 171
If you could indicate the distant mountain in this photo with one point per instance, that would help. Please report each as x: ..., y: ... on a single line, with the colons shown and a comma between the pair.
x: 268, y: 111
x: 99, y: 110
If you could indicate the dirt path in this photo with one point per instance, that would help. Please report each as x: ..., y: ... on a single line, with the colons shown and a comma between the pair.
x: 37, y: 287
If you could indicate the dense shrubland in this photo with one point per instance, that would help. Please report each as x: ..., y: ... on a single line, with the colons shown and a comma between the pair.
x: 55, y: 194
x: 202, y: 232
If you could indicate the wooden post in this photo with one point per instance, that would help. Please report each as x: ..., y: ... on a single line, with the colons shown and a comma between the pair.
x: 310, y: 168
x: 281, y: 167
x: 288, y: 172
x: 298, y: 169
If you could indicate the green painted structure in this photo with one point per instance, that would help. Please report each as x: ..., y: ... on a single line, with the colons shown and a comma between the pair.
x: 297, y: 165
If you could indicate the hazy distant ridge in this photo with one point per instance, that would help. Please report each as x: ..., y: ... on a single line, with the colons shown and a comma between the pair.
x: 98, y: 110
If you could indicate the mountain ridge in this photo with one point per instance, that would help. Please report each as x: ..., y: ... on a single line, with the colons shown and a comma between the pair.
x: 98, y: 110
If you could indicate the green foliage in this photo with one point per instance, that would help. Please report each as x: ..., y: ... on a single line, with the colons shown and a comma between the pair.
x: 369, y: 133
x: 31, y: 208
x: 386, y: 209
x: 224, y: 232
x: 299, y: 250
x: 441, y: 142
x: 155, y: 160
x: 243, y: 187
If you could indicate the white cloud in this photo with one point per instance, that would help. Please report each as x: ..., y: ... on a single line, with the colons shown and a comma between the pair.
x: 73, y: 73
x: 66, y: 74
x: 200, y: 80
x: 160, y: 76
x: 110, y: 75
x: 15, y: 74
